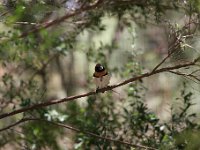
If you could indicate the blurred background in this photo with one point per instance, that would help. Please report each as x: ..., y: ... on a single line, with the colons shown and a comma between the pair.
x: 129, y: 38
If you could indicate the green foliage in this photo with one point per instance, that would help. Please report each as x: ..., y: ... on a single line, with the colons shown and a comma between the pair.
x: 40, y: 135
x: 29, y: 64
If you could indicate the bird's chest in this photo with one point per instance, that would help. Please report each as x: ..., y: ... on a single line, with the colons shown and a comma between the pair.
x: 102, y: 82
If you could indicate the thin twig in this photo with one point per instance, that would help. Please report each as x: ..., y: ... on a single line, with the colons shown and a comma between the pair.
x: 195, y: 71
x: 79, y: 131
x: 26, y: 23
x: 12, y: 125
x: 186, y: 75
x: 173, y: 48
x: 70, y: 98
x: 177, y: 42
x: 44, y: 65
x: 4, y: 13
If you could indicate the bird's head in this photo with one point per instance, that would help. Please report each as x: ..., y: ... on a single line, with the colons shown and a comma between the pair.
x: 99, y: 68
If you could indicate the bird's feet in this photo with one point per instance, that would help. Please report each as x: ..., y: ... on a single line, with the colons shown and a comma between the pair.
x: 101, y: 90
x: 97, y: 90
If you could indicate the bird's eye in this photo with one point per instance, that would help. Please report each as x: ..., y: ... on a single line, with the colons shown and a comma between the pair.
x: 101, y: 68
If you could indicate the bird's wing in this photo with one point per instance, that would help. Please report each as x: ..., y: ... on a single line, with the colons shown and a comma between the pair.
x: 105, y: 81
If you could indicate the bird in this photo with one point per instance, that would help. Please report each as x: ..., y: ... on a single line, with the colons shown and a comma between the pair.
x: 101, y: 77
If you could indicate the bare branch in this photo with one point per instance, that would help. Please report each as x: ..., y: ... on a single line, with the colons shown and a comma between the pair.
x: 79, y: 131
x: 70, y: 98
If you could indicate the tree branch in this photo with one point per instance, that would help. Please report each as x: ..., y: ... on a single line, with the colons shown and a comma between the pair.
x: 70, y: 98
x: 61, y: 19
x: 79, y: 131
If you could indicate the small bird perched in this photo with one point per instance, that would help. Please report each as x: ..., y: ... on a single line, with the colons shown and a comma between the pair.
x: 101, y: 77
